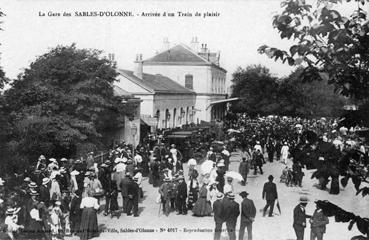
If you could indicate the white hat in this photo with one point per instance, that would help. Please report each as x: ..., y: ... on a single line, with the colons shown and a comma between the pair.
x: 118, y: 160
x: 52, y: 160
x: 124, y: 160
x: 74, y: 172
x: 220, y: 164
x: 45, y: 180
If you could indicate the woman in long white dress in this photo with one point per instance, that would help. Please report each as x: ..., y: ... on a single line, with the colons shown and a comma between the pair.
x: 284, y: 153
x: 89, y: 227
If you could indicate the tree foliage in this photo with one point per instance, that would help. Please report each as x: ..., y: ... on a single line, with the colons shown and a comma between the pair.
x: 256, y: 86
x: 261, y: 93
x: 62, y: 102
x: 334, y: 48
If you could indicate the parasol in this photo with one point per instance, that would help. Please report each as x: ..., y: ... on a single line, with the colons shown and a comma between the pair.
x: 233, y: 131
x: 192, y: 162
x: 234, y: 175
x: 206, y: 166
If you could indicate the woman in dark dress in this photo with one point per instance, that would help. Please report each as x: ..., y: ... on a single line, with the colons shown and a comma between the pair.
x: 89, y: 228
x: 202, y: 206
x: 75, y: 212
x: 193, y: 189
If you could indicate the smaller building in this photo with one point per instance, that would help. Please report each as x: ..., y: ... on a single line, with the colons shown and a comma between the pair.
x: 165, y: 103
x: 129, y: 130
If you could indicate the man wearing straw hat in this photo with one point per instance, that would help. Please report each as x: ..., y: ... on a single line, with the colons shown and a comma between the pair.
x: 44, y: 191
x: 299, y: 218
x: 218, y: 215
x: 165, y: 193
x: 230, y: 213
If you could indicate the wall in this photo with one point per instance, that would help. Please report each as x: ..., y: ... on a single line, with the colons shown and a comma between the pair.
x: 125, y: 133
x: 147, y: 104
x: 162, y: 102
x: 201, y: 75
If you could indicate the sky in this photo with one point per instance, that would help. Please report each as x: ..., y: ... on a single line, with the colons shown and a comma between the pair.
x: 238, y: 31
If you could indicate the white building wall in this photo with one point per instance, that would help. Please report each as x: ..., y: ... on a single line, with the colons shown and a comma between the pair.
x: 201, y: 75
x: 162, y: 102
x: 147, y: 104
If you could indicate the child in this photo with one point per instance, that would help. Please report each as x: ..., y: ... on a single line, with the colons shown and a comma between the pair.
x: 11, y: 220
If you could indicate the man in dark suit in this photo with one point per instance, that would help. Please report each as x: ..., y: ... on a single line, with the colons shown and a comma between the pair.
x: 218, y: 215
x: 248, y: 212
x: 133, y: 195
x: 231, y: 210
x: 45, y: 192
x: 124, y: 184
x: 270, y: 194
x: 299, y: 218
x: 181, y: 196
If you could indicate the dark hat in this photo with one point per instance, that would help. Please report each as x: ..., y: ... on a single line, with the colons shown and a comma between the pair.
x: 244, y: 194
x: 270, y: 177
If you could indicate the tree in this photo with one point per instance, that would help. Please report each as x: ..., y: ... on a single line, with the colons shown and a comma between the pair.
x: 308, y: 99
x: 334, y: 48
x: 263, y: 94
x: 62, y: 102
x: 257, y: 88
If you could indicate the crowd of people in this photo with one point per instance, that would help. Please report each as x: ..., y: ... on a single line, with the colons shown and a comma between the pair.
x: 64, y: 197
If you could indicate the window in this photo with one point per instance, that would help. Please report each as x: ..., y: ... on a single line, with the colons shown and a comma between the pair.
x: 189, y: 81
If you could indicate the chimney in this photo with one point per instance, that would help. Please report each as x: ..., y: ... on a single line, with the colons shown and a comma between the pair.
x: 138, y: 66
x: 165, y: 44
x: 194, y: 44
x: 204, y: 48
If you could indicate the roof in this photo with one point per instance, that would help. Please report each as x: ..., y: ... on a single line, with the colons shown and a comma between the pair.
x: 180, y: 55
x: 156, y: 83
x: 121, y: 92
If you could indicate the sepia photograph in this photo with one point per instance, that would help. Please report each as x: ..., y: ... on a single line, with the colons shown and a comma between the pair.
x: 176, y: 120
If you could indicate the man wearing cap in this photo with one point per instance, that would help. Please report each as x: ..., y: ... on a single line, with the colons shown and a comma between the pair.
x: 248, y: 212
x: 270, y: 194
x: 299, y: 218
x: 231, y: 210
x: 181, y: 195
x: 218, y: 215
